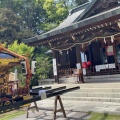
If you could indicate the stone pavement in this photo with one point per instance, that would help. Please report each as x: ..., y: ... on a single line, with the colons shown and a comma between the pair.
x: 75, y: 110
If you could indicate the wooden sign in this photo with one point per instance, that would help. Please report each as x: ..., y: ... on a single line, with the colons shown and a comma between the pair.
x: 54, y: 67
x: 110, y: 51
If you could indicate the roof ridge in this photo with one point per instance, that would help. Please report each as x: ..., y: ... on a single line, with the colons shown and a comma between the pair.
x: 78, y: 8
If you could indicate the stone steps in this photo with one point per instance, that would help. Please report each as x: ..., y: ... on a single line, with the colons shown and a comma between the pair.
x: 102, y: 92
x: 90, y: 85
x: 92, y: 94
x: 94, y: 79
x: 95, y: 99
x: 106, y: 90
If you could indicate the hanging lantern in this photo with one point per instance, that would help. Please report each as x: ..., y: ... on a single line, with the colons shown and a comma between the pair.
x: 50, y: 44
x: 84, y: 65
x: 67, y: 52
x: 104, y: 40
x: 71, y: 48
x: 89, y: 63
x: 112, y: 39
x: 89, y: 43
x: 60, y: 52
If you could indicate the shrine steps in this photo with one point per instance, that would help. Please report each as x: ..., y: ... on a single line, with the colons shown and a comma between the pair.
x: 103, y: 78
x: 102, y: 92
x: 93, y: 79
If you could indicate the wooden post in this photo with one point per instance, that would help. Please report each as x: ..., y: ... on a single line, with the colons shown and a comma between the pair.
x: 115, y: 55
x: 55, y: 107
x: 28, y: 108
x: 78, y: 56
x: 56, y: 76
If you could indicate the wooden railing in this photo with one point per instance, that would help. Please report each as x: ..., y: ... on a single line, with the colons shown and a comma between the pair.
x: 91, y: 71
x: 67, y: 72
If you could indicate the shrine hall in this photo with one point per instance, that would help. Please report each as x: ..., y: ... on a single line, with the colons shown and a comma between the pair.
x: 88, y: 40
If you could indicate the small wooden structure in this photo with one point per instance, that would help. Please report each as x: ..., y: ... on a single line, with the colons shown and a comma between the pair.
x: 9, y: 87
x: 91, y: 30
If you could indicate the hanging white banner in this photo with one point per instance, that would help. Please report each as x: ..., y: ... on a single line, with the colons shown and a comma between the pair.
x: 54, y: 67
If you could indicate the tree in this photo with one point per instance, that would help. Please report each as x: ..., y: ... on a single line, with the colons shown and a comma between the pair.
x: 9, y: 25
x: 24, y: 50
x: 44, y: 67
x: 31, y: 13
x: 44, y: 62
x: 56, y: 12
x: 35, y: 16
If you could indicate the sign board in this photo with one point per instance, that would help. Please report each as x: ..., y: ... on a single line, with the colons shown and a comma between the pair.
x: 11, y: 76
x: 78, y: 66
x: 54, y: 67
x: 110, y: 51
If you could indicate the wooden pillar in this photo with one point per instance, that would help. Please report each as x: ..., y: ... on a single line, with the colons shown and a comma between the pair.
x: 115, y: 55
x: 78, y: 57
x: 57, y: 73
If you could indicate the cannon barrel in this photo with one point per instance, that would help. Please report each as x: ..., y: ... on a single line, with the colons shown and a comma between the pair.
x: 35, y: 92
x: 41, y: 88
x: 17, y: 105
x: 48, y: 91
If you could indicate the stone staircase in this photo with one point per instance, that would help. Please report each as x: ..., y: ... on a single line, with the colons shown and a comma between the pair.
x: 93, y: 79
x: 102, y: 89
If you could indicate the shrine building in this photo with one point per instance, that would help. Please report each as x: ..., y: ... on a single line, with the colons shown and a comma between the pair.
x: 88, y: 39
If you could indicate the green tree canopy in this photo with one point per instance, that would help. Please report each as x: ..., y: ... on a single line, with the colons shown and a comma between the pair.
x: 56, y: 13
x: 9, y: 25
x: 21, y: 19
x: 22, y: 49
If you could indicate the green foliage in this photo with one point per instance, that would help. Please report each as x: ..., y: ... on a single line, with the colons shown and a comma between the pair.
x: 21, y: 19
x: 21, y: 49
x: 34, y: 80
x: 44, y: 63
x: 48, y: 26
x: 9, y: 25
x: 43, y: 67
x: 56, y: 12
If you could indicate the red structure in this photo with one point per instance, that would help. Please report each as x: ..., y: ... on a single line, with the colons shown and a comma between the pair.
x: 12, y: 89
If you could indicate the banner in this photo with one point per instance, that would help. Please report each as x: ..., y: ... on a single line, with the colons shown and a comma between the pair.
x: 110, y: 51
x: 54, y: 67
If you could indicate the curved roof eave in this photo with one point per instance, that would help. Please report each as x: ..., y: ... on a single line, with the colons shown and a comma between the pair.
x: 82, y: 23
x: 83, y: 10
